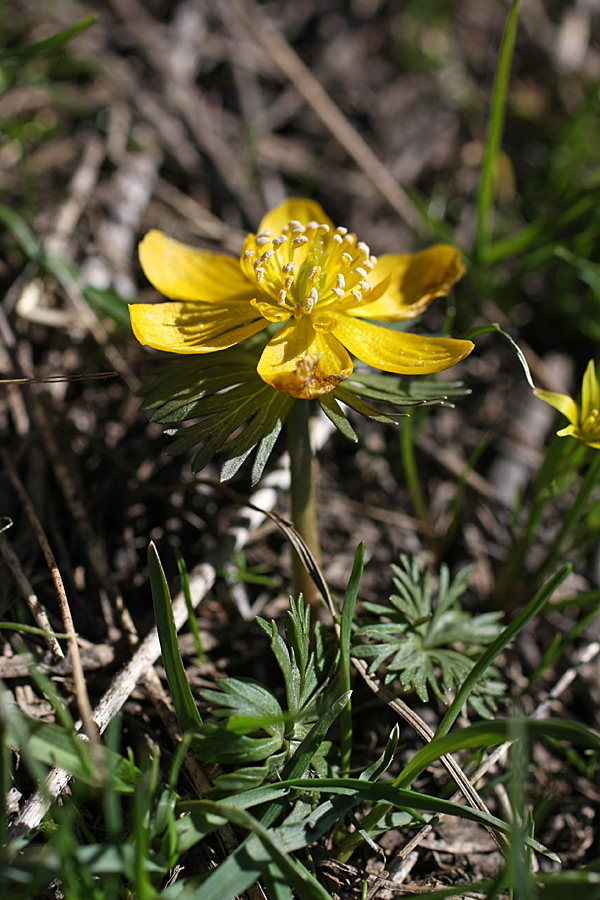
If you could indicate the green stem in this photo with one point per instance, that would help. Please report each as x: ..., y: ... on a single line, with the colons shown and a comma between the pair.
x: 303, y: 478
x: 411, y: 473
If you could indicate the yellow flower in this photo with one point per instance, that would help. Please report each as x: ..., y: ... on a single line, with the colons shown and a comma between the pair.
x: 585, y: 419
x: 315, y: 281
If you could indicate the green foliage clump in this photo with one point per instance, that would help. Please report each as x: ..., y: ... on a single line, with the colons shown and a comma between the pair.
x: 430, y: 641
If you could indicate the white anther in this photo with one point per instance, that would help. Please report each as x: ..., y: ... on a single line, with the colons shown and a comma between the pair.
x: 278, y: 241
x: 323, y: 227
x: 313, y: 295
x: 366, y: 286
x: 314, y: 273
x: 341, y: 230
x: 358, y: 270
x: 368, y: 264
x: 294, y: 223
x: 341, y: 281
x: 288, y: 282
x: 298, y: 241
x: 312, y: 224
x: 248, y: 254
x: 373, y: 260
x: 281, y: 298
x: 338, y: 238
x: 266, y: 233
x: 299, y: 229
x: 269, y: 253
x: 260, y: 274
x: 262, y: 239
x: 289, y: 267
x: 364, y: 248
x: 339, y: 292
x: 347, y: 258
x: 356, y: 293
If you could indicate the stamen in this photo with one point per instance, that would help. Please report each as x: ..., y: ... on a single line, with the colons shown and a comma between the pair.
x: 269, y: 253
x: 248, y: 254
x: 312, y: 225
x: 357, y: 294
x: 359, y: 271
x: 313, y: 295
x: 314, y: 273
x: 338, y: 238
x: 288, y: 282
x: 339, y: 292
x: 323, y: 227
x: 299, y: 229
x: 294, y: 223
x: 282, y: 297
x: 278, y: 241
x: 364, y: 248
x: 347, y: 259
x: 266, y: 233
x: 341, y: 281
x: 260, y: 274
x: 368, y: 264
x: 289, y: 267
x: 297, y: 310
x: 298, y: 241
x: 366, y: 286
x: 373, y: 259
x: 341, y: 230
x: 262, y: 239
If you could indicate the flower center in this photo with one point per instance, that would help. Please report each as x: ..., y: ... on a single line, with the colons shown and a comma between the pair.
x: 307, y: 270
x: 590, y: 427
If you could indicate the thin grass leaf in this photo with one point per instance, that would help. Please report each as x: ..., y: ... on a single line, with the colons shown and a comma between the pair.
x: 22, y: 233
x: 491, y: 733
x: 485, y: 195
x: 494, y: 328
x: 344, y: 664
x: 54, y: 42
x: 183, y: 701
x: 185, y: 587
x: 535, y: 606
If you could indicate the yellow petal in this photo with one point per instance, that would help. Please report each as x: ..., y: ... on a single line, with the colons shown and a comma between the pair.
x: 415, y: 280
x: 303, y: 362
x: 396, y: 351
x: 564, y: 404
x: 590, y: 391
x: 193, y: 327
x: 297, y: 208
x: 186, y: 273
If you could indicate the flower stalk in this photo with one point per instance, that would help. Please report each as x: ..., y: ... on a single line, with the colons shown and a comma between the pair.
x: 303, y: 483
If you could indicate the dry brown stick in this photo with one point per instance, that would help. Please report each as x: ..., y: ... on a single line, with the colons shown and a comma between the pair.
x: 33, y: 811
x: 37, y: 610
x: 81, y: 694
x: 290, y: 64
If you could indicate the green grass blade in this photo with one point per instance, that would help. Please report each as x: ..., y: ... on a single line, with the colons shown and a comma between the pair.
x: 345, y: 638
x: 185, y: 708
x: 185, y: 587
x: 535, y: 605
x: 485, y: 196
x: 491, y: 733
x: 54, y: 42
